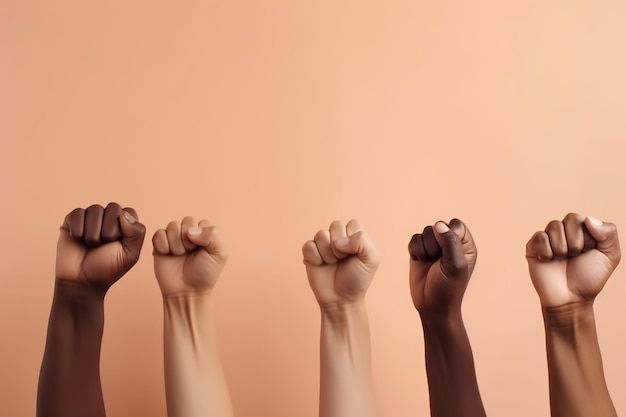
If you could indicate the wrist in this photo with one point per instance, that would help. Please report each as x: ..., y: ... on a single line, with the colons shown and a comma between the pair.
x: 449, y: 327
x: 342, y: 312
x: 569, y: 315
x: 192, y: 296
x: 187, y: 305
x: 78, y: 293
x: 442, y: 318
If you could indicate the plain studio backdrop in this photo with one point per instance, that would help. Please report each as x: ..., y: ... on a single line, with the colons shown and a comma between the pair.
x: 273, y: 118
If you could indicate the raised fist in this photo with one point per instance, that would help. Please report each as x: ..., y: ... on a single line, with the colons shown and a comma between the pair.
x: 188, y: 257
x: 571, y: 260
x: 340, y: 263
x: 98, y: 245
x: 442, y: 261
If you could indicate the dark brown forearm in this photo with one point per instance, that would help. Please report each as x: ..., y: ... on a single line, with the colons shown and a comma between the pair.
x: 577, y: 384
x: 69, y: 382
x: 450, y: 368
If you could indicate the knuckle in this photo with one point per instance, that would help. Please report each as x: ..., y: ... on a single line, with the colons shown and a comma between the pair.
x: 573, y: 217
x: 320, y: 235
x: 336, y: 224
x: 173, y: 225
x: 554, y: 225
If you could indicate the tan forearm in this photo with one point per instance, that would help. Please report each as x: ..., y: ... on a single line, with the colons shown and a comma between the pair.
x: 194, y: 379
x: 577, y: 384
x: 345, y: 362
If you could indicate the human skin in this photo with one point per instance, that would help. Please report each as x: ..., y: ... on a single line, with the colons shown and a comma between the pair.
x: 188, y: 259
x: 340, y: 264
x: 96, y: 247
x: 442, y: 259
x: 569, y: 263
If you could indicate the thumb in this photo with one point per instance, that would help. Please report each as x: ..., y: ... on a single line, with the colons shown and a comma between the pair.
x: 209, y: 239
x: 453, y: 258
x: 606, y: 236
x: 133, y: 234
x: 359, y: 244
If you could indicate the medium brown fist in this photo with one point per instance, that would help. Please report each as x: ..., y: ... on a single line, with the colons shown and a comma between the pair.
x: 571, y: 260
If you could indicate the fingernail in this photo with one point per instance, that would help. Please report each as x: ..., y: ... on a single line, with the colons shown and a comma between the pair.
x: 195, y: 231
x: 129, y: 217
x: 342, y: 241
x: 594, y: 221
x: 441, y: 227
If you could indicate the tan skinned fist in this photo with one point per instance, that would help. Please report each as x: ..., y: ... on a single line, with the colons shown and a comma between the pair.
x: 340, y: 263
x: 97, y: 245
x: 188, y: 257
x: 571, y: 260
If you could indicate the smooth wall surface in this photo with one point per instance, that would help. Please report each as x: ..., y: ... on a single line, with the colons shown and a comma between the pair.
x: 273, y: 118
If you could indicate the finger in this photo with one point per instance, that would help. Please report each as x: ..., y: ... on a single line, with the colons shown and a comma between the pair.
x: 467, y: 240
x: 558, y: 243
x: 133, y: 234
x: 185, y: 225
x: 575, y: 234
x: 430, y: 243
x: 417, y: 250
x: 160, y: 243
x: 353, y: 227
x: 209, y: 238
x: 606, y: 236
x: 75, y: 223
x: 111, y: 231
x: 539, y: 247
x: 461, y: 230
x: 337, y: 231
x: 590, y: 242
x: 453, y: 257
x: 93, y: 225
x: 323, y: 242
x: 360, y: 244
x: 132, y: 212
x: 311, y: 255
x: 173, y: 231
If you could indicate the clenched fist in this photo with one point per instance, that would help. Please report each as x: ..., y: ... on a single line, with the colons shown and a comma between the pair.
x: 97, y: 245
x: 442, y: 261
x: 188, y: 257
x: 571, y: 260
x: 340, y: 263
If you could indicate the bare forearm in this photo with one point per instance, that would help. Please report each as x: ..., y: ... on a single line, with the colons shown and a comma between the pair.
x: 577, y: 383
x: 69, y: 382
x: 450, y: 368
x: 345, y: 362
x: 194, y: 378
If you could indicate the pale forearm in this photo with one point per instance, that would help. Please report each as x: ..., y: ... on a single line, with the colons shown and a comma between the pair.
x: 194, y: 379
x: 577, y: 384
x: 69, y: 382
x: 450, y: 368
x: 345, y: 362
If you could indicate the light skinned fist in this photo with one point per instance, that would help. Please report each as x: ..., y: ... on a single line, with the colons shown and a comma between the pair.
x: 443, y: 257
x: 571, y: 260
x: 340, y: 263
x: 188, y: 257
x: 97, y: 245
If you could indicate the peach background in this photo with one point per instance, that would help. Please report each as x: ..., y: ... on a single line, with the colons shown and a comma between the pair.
x: 272, y: 118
